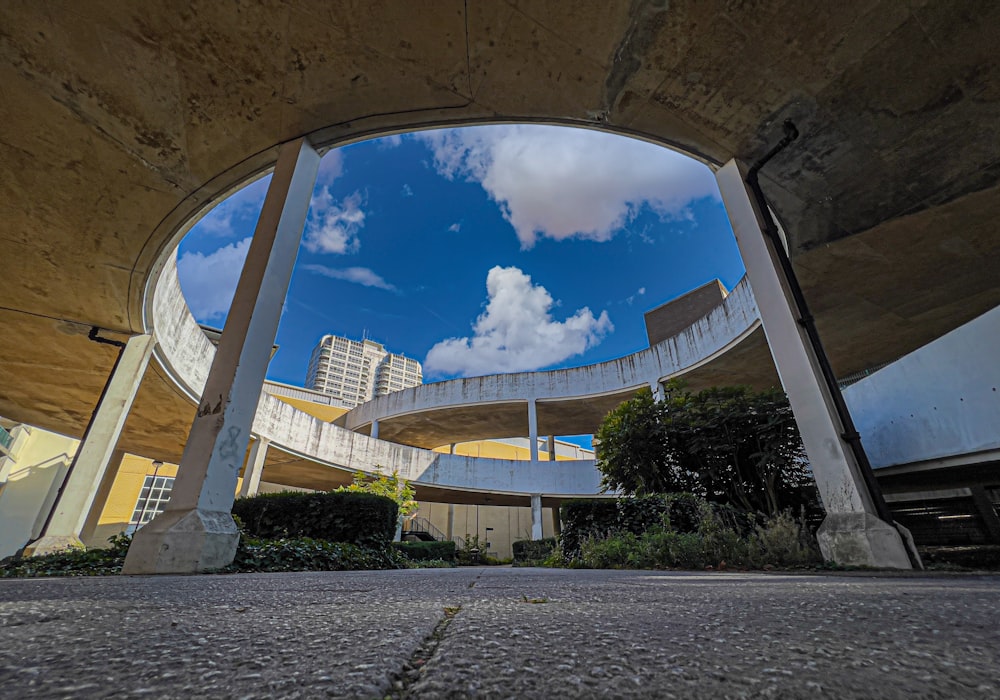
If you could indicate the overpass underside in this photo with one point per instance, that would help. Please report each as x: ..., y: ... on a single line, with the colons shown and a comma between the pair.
x: 123, y: 121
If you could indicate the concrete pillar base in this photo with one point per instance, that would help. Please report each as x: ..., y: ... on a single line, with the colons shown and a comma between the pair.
x: 861, y: 539
x: 183, y: 542
x: 50, y: 544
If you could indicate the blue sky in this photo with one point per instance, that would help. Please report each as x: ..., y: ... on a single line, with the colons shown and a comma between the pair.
x: 426, y: 243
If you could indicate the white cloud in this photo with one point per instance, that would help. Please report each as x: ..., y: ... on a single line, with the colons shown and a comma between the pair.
x: 516, y: 332
x: 564, y: 183
x: 631, y: 298
x: 455, y: 227
x: 358, y: 275
x: 331, y: 166
x: 209, y: 281
x: 407, y: 190
x: 333, y: 228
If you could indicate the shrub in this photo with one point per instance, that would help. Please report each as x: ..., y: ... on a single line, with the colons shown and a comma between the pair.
x: 786, y: 542
x: 307, y: 554
x: 586, y: 517
x: 71, y: 562
x: 358, y: 518
x: 426, y: 551
x: 532, y: 552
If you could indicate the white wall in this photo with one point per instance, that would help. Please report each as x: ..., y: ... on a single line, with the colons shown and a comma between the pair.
x: 940, y: 400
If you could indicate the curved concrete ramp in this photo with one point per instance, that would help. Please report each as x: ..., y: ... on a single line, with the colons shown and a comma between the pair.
x: 186, y: 354
x: 568, y: 401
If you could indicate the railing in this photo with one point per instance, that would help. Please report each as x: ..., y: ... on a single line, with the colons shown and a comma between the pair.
x: 417, y: 524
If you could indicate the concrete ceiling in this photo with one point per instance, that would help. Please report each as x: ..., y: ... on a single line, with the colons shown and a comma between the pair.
x: 120, y: 120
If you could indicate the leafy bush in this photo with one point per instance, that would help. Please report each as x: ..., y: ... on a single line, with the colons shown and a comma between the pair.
x: 71, y: 562
x: 426, y: 551
x: 599, y: 518
x: 532, y: 552
x: 586, y: 517
x: 307, y: 554
x: 357, y: 518
x: 679, y: 531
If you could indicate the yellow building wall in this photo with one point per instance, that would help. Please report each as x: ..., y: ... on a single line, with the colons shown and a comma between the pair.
x: 496, y: 450
x: 509, y: 523
x: 30, y: 482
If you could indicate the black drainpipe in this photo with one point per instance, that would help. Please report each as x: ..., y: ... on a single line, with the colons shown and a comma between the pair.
x: 90, y: 424
x: 850, y: 434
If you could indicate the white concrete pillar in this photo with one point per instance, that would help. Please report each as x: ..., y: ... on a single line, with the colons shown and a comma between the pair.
x: 536, y: 516
x: 95, y: 452
x: 552, y: 448
x: 657, y: 388
x: 254, y: 468
x: 851, y: 533
x: 374, y: 432
x: 196, y: 531
x: 450, y: 531
x: 532, y: 430
x: 451, y: 449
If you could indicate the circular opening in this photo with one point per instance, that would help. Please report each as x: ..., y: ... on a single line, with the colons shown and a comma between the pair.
x: 473, y: 251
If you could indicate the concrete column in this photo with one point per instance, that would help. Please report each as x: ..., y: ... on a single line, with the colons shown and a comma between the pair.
x: 254, y: 468
x: 450, y: 530
x: 552, y: 448
x: 196, y: 532
x: 532, y: 430
x: 536, y: 516
x: 95, y: 452
x: 556, y: 521
x: 100, y: 500
x: 374, y: 432
x: 657, y: 388
x: 451, y: 449
x: 851, y: 533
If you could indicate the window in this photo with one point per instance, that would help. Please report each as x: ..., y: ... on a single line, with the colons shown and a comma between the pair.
x: 152, y: 500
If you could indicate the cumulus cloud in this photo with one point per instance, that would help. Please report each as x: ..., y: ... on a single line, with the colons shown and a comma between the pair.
x: 407, y: 191
x: 359, y: 275
x: 516, y: 332
x: 333, y: 228
x: 564, y: 183
x: 455, y: 227
x: 209, y: 280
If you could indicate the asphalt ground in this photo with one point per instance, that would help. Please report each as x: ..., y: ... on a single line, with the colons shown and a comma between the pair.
x: 501, y: 633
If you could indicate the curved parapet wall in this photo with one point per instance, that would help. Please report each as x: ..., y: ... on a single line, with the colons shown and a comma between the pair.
x: 710, y: 336
x: 186, y: 355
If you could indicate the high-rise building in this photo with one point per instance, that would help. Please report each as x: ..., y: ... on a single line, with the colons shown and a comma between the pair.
x: 357, y: 371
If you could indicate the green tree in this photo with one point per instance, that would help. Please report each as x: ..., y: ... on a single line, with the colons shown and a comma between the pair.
x: 730, y: 444
x: 388, y: 485
x: 636, y: 451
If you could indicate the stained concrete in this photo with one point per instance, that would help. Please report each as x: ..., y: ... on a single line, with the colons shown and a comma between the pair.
x: 514, y: 633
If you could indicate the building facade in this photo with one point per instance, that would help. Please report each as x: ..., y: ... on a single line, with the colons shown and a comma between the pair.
x: 358, y: 371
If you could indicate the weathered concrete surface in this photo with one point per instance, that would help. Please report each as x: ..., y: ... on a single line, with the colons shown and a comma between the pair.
x: 122, y: 120
x: 517, y: 633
